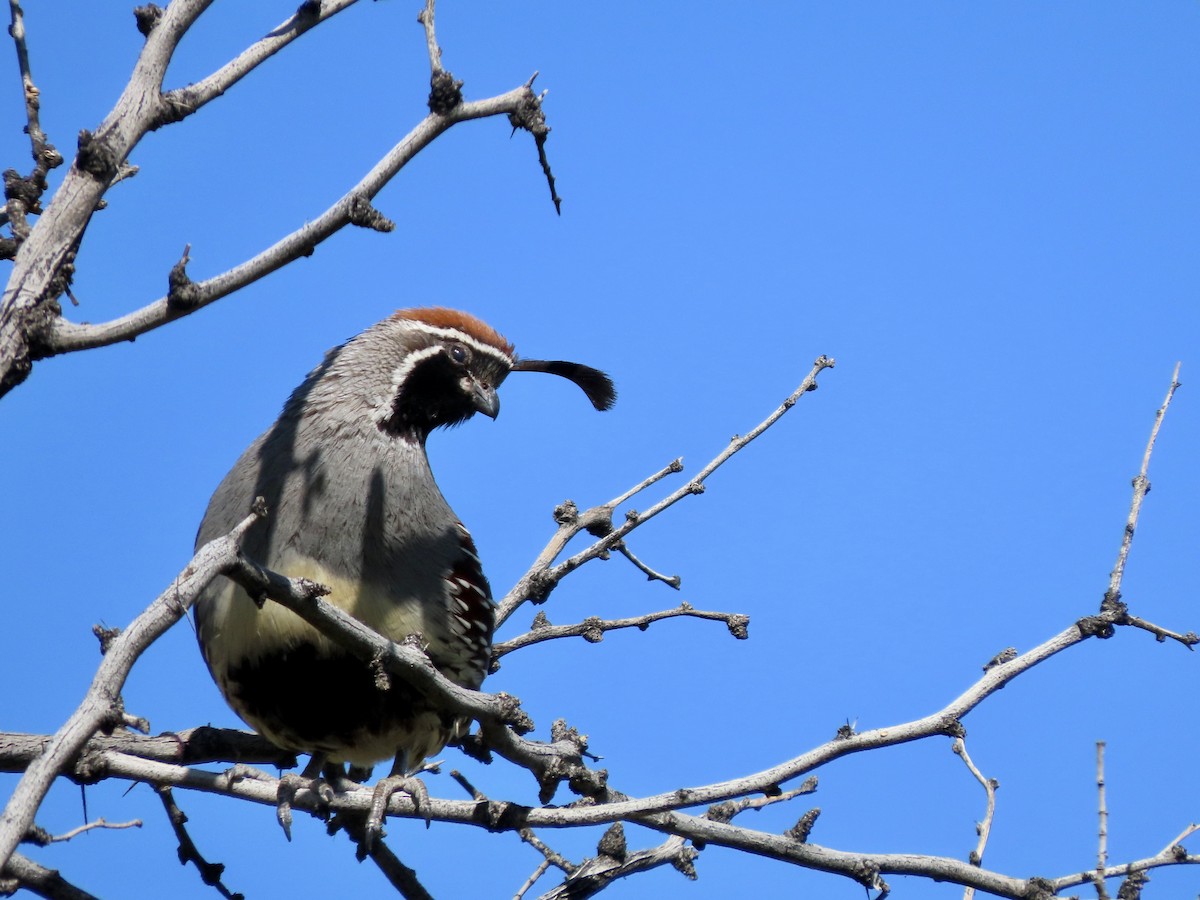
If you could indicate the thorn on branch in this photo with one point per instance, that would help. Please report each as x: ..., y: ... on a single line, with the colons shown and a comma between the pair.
x: 529, y: 117
x: 952, y: 727
x: 1008, y: 654
x: 566, y: 513
x: 147, y: 17
x: 182, y: 293
x: 540, y: 586
x: 445, y: 93
x: 177, y: 105
x: 105, y: 636
x: 682, y: 862
x: 612, y: 844
x: 139, y: 724
x: 38, y: 836
x: 599, y: 523
x: 561, y: 731
x: 739, y: 626
x: 363, y: 214
x: 309, y: 9
x: 512, y: 714
x: 1095, y: 626
x: 801, y: 830
x: 23, y: 190
x: 95, y: 157
x: 1131, y: 887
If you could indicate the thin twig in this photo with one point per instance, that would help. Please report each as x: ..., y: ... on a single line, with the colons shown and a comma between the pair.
x: 532, y: 879
x: 24, y: 194
x: 543, y: 575
x: 592, y: 629
x: 984, y: 827
x: 425, y: 17
x: 1189, y: 639
x: 728, y: 809
x: 1183, y: 835
x: 671, y: 468
x: 99, y: 823
x: 1102, y: 802
x: 210, y: 873
x: 37, y: 138
x: 1141, y: 487
x: 613, y: 861
x: 466, y: 785
x: 671, y: 580
x: 64, y: 336
x: 192, y: 97
x: 555, y: 859
x: 403, y: 878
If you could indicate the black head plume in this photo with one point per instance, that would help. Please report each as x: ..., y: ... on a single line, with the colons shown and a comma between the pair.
x: 598, y: 386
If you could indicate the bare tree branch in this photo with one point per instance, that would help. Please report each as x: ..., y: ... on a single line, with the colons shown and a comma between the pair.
x: 1141, y: 487
x: 31, y: 326
x: 43, y: 838
x: 592, y: 629
x: 210, y: 873
x: 532, y: 879
x: 1102, y: 851
x: 613, y: 861
x: 182, y: 102
x: 48, y: 883
x: 97, y: 707
x: 425, y: 17
x: 191, y: 747
x: 984, y: 827
x: 354, y: 207
x: 670, y: 580
x: 23, y: 195
x: 541, y: 578
x: 561, y: 759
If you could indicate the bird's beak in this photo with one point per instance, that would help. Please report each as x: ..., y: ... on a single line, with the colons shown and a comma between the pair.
x: 486, y: 400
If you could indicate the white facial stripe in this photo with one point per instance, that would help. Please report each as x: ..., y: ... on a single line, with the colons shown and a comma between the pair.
x: 384, y: 410
x: 453, y: 334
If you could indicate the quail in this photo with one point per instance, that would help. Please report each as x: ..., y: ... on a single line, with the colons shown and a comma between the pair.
x: 353, y: 505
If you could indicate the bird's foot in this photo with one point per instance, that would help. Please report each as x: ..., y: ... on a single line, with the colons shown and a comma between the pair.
x: 291, y: 784
x: 393, y: 784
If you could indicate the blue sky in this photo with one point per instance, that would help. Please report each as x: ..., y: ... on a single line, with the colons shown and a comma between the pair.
x: 986, y: 212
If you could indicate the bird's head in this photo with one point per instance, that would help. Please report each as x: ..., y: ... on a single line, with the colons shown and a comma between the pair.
x: 446, y: 366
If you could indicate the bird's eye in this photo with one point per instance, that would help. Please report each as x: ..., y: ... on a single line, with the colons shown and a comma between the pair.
x: 459, y: 354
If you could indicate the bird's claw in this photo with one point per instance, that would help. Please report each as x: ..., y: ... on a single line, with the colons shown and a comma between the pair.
x: 291, y: 784
x: 414, y: 787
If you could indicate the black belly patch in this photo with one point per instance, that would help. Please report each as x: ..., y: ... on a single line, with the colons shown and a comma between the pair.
x: 322, y: 701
